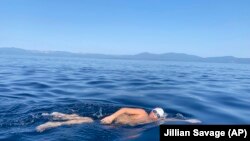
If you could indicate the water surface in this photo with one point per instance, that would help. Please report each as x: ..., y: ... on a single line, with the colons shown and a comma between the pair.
x: 32, y: 85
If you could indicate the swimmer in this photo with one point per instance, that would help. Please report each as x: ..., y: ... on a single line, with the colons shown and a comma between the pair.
x: 124, y: 116
x: 135, y: 116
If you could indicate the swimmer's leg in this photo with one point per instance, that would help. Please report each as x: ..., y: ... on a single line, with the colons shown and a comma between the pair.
x: 49, y: 125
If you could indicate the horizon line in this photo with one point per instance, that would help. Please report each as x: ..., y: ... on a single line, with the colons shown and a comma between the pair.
x: 143, y: 52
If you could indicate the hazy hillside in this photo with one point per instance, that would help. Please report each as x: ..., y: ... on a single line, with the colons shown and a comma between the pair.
x: 141, y: 56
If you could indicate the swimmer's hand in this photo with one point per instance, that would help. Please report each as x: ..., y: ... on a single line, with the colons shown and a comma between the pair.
x: 193, y: 121
x: 107, y: 120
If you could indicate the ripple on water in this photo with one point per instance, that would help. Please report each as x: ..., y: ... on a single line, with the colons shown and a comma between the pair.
x: 97, y: 82
x: 36, y: 85
x: 26, y: 95
x: 60, y: 92
x: 5, y: 90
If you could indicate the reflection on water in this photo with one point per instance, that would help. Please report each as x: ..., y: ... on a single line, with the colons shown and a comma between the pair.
x: 30, y: 86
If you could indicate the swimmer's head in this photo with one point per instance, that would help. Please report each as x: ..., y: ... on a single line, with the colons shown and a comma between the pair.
x: 157, y: 113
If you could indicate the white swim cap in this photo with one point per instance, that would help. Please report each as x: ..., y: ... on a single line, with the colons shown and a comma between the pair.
x: 159, y: 112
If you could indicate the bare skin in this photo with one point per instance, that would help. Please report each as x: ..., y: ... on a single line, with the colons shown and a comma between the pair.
x: 134, y: 116
x: 130, y: 116
x: 125, y: 116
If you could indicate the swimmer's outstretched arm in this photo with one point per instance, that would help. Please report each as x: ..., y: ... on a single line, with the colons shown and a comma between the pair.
x: 186, y: 120
x: 49, y: 125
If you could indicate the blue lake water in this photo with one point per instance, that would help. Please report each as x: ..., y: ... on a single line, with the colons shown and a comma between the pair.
x: 32, y: 85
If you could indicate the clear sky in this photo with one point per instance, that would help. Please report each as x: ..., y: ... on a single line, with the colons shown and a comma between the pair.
x: 198, y: 27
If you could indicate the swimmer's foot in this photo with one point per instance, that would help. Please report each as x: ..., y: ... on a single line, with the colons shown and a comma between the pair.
x: 61, y: 116
x: 57, y: 116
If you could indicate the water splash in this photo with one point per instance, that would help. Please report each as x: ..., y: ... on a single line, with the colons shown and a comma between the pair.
x: 180, y: 116
x: 99, y: 113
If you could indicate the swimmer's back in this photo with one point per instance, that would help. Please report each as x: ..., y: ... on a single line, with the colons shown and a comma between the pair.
x: 129, y: 119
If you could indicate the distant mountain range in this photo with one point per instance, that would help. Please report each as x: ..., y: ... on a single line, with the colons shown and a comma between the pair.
x: 141, y: 56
